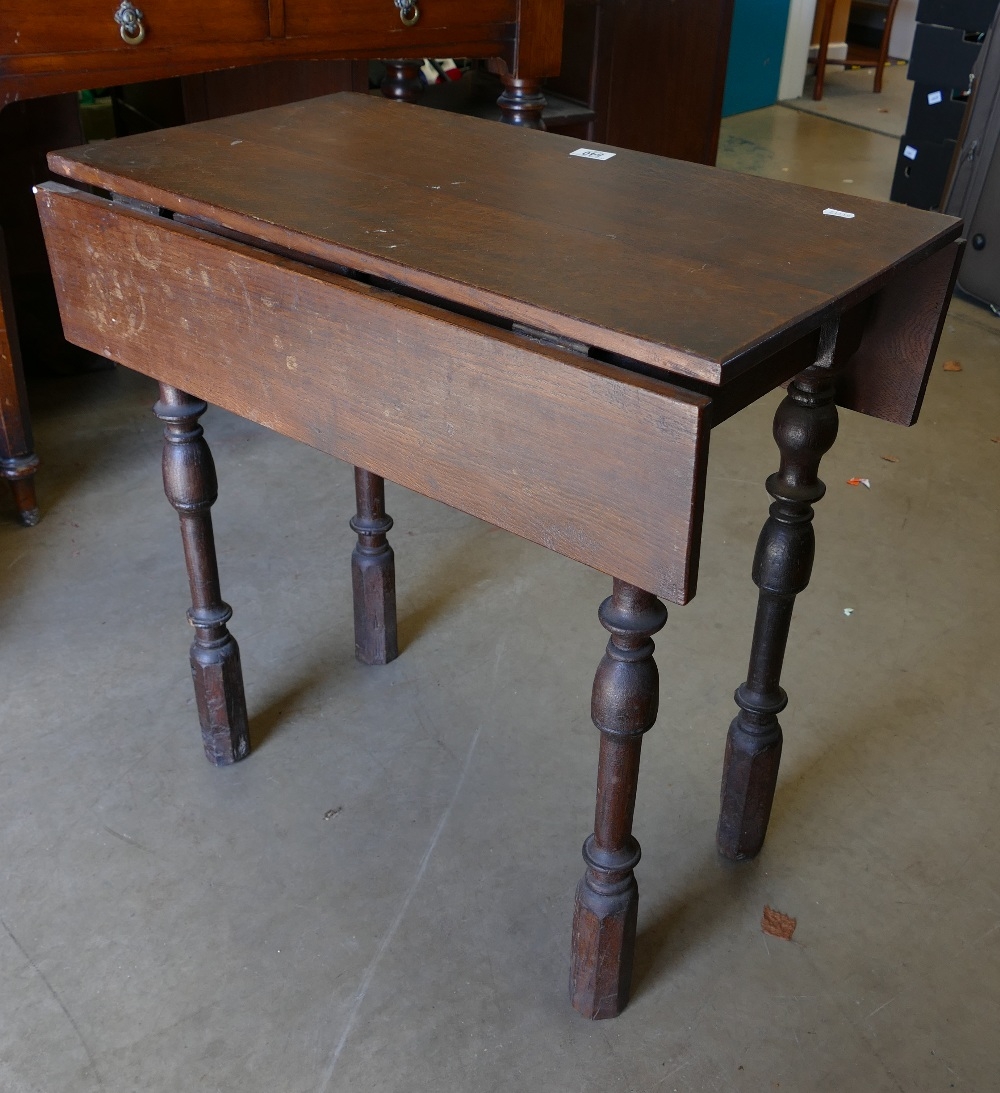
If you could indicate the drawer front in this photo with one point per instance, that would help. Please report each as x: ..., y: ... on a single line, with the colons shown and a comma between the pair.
x: 921, y: 172
x: 935, y: 113
x: 596, y: 463
x: 376, y: 24
x: 943, y: 56
x: 75, y: 26
x: 966, y: 14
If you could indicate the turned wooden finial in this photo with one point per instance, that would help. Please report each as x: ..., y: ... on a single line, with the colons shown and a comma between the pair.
x: 402, y: 81
x: 522, y: 102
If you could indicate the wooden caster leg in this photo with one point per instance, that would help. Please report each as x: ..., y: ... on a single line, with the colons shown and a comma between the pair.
x: 191, y: 487
x: 522, y: 102
x: 18, y: 462
x: 373, y: 570
x: 402, y: 81
x: 623, y: 707
x: 20, y: 474
x: 805, y: 427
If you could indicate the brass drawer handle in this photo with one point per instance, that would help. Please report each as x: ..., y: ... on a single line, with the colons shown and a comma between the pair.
x: 409, y: 13
x: 129, y: 20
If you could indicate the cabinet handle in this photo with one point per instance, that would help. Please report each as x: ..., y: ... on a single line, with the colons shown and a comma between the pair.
x: 409, y: 13
x: 129, y: 20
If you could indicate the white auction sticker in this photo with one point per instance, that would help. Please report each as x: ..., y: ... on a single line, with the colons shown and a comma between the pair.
x: 910, y: 152
x: 934, y: 98
x: 838, y: 212
x: 592, y: 153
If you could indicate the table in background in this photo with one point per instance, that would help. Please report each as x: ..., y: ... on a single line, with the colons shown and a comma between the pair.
x: 541, y: 338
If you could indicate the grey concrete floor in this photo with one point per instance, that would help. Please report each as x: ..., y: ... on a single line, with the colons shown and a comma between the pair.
x: 848, y: 97
x: 380, y: 897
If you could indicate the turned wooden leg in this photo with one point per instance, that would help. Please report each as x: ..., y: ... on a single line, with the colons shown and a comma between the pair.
x: 18, y: 462
x: 522, y: 102
x: 824, y: 46
x: 402, y: 81
x: 623, y: 707
x: 373, y: 571
x: 805, y: 427
x: 191, y: 487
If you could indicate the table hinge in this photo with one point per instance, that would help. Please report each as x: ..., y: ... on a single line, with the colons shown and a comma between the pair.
x: 546, y: 337
x: 136, y: 205
x: 827, y: 343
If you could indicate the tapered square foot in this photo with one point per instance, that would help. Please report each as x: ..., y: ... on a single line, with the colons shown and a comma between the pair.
x: 222, y: 709
x: 374, y: 580
x: 749, y: 776
x: 603, y: 946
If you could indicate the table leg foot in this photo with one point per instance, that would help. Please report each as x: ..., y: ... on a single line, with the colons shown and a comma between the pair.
x: 623, y: 707
x: 805, y: 427
x: 373, y: 572
x: 18, y: 462
x: 190, y: 484
x: 749, y: 777
x: 20, y: 474
x: 218, y: 687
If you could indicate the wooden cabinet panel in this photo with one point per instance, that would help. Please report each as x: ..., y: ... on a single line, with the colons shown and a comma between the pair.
x: 652, y: 72
x: 75, y: 26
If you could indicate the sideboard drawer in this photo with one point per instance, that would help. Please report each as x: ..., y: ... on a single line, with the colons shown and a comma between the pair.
x: 76, y: 26
x: 440, y: 21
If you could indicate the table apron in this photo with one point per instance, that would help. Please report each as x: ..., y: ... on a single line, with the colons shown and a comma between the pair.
x: 595, y: 462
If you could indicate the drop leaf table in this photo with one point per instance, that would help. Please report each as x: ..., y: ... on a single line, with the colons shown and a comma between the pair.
x: 538, y: 333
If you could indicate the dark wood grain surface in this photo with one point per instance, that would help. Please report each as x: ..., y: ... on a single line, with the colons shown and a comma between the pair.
x: 694, y: 270
x: 594, y: 462
x: 654, y: 73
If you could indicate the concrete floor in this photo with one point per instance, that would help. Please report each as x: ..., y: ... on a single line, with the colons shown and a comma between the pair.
x: 380, y: 898
x: 848, y: 97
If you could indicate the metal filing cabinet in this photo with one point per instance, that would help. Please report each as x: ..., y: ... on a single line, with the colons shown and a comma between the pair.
x: 945, y: 47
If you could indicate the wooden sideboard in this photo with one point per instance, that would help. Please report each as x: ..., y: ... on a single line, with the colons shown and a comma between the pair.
x: 78, y: 44
x: 48, y: 49
x: 653, y: 73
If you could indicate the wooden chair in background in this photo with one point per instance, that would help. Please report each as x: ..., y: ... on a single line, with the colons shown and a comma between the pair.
x: 858, y: 56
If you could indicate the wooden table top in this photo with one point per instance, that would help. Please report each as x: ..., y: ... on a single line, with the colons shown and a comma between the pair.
x: 693, y: 270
